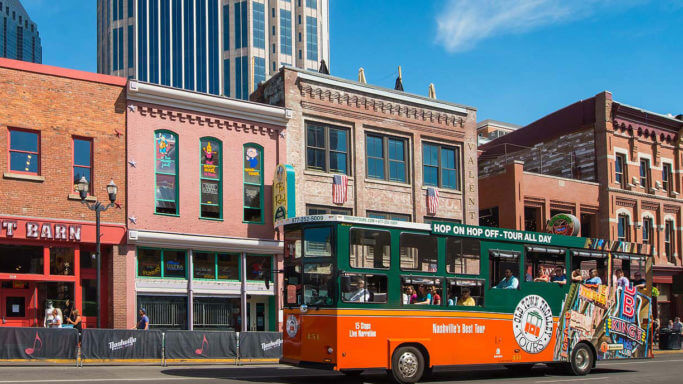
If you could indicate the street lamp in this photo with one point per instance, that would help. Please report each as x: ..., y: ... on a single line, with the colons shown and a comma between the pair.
x: 98, y: 207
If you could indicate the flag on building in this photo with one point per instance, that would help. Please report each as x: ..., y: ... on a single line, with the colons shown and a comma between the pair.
x: 339, y: 186
x: 432, y: 200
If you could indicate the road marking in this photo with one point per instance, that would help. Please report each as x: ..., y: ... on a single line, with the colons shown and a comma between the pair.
x: 574, y: 379
x: 90, y: 380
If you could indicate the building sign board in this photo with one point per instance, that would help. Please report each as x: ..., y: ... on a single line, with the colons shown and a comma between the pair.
x: 36, y: 230
x: 284, y: 202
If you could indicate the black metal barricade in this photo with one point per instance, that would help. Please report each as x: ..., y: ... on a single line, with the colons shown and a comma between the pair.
x: 669, y: 339
x: 260, y: 345
x: 200, y: 345
x: 38, y: 343
x: 126, y: 344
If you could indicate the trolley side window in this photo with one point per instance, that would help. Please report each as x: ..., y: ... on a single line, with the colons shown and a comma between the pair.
x: 369, y: 248
x: 421, y: 290
x: 465, y: 292
x: 545, y: 265
x: 504, y: 269
x: 364, y: 288
x: 462, y: 256
x: 318, y: 242
x: 586, y: 264
x: 418, y: 252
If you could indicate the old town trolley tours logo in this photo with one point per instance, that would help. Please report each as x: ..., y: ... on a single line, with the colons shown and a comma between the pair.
x: 532, y: 323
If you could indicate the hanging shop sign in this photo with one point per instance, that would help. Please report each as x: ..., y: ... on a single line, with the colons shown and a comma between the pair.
x: 564, y: 224
x: 284, y: 202
x: 20, y: 229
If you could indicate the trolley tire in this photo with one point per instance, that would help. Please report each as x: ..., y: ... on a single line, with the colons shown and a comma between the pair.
x: 407, y: 365
x: 581, y: 361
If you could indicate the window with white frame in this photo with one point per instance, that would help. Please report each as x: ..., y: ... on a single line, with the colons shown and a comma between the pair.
x: 623, y: 228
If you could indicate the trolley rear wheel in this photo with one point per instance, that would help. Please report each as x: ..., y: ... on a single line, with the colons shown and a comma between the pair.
x: 407, y: 365
x: 581, y: 360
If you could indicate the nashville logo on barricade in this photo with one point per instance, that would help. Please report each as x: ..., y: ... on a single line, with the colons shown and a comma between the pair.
x: 271, y: 345
x: 116, y: 345
x: 532, y: 323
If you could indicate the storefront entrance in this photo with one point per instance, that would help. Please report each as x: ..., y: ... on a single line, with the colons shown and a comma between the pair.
x: 17, y: 306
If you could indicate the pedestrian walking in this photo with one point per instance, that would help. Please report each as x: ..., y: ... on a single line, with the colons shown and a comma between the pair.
x: 143, y: 323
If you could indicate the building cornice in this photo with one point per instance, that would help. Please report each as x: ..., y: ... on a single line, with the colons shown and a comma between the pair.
x: 215, y: 105
x: 395, y: 96
x: 204, y: 242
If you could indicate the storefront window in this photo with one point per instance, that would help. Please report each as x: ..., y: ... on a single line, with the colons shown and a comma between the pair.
x: 89, y: 297
x: 204, y: 265
x: 61, y: 261
x: 166, y: 169
x: 174, y: 263
x: 253, y: 183
x: 258, y: 267
x: 87, y: 257
x: 165, y: 312
x: 228, y: 266
x: 149, y: 262
x: 54, y: 294
x: 216, y: 313
x: 21, y: 259
x: 211, y: 183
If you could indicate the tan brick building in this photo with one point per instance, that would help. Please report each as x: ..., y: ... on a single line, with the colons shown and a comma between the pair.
x: 616, y: 167
x: 57, y: 125
x: 392, y: 146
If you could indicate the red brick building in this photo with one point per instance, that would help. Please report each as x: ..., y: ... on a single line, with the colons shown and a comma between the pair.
x: 57, y: 125
x: 616, y: 167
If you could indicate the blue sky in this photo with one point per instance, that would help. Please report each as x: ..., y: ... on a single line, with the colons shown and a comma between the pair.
x: 514, y: 60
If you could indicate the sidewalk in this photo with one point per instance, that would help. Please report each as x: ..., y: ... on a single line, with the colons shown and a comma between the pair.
x: 667, y: 351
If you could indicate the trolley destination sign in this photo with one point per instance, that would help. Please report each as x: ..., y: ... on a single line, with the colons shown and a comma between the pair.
x: 501, y: 234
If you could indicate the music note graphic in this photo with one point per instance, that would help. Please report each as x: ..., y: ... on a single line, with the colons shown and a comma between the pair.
x: 31, y: 351
x: 200, y: 351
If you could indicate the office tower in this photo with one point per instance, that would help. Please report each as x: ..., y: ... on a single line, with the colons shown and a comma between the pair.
x: 19, y: 38
x: 222, y: 47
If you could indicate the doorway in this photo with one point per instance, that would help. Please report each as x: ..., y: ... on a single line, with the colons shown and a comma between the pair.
x: 16, y: 309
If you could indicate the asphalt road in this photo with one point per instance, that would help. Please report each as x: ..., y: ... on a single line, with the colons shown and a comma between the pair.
x: 663, y: 369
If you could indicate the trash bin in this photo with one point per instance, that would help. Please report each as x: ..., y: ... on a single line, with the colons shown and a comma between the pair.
x: 669, y: 339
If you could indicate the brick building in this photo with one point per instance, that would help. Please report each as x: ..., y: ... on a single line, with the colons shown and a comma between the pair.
x: 391, y: 145
x: 201, y: 237
x: 616, y: 167
x: 57, y: 125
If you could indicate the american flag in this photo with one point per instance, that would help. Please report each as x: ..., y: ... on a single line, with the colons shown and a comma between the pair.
x: 432, y: 200
x: 339, y: 185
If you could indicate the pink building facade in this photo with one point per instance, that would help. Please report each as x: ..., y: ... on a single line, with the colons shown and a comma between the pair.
x: 201, y: 241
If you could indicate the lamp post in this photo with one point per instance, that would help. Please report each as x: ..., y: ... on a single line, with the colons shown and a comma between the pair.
x: 97, y: 207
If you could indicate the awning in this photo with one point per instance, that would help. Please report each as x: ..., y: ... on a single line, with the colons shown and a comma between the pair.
x: 204, y: 243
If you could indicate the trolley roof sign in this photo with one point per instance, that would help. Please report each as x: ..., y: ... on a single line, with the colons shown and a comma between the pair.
x: 501, y: 234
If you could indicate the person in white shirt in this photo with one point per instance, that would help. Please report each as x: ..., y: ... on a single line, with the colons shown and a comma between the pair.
x: 361, y: 295
x: 56, y: 318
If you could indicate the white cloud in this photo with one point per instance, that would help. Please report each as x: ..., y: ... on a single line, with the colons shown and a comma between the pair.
x: 463, y: 23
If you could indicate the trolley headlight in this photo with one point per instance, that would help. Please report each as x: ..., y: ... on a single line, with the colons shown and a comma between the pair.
x: 329, y: 350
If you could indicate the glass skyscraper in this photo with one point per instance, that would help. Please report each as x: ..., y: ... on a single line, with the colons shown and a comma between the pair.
x: 222, y: 47
x: 19, y: 38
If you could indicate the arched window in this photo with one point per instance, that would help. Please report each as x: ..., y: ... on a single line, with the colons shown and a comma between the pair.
x: 253, y: 183
x: 166, y: 172
x: 211, y: 179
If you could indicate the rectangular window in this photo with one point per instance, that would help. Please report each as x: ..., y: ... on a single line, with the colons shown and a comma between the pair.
x: 647, y: 230
x: 253, y: 183
x: 645, y: 174
x: 177, y: 41
x: 201, y: 38
x: 259, y: 70
x: 226, y: 27
x: 241, y: 23
x: 418, y: 252
x: 153, y: 42
x: 620, y: 170
x: 387, y: 164
x: 188, y: 33
x: 131, y: 47
x: 211, y: 178
x: 465, y: 292
x: 441, y: 166
x: 421, y: 290
x: 174, y: 263
x: 82, y: 166
x: 226, y: 77
x: 313, y: 4
x: 215, y: 266
x: 318, y: 242
x: 241, y: 78
x: 327, y: 148
x: 545, y: 265
x: 504, y: 269
x: 258, y: 267
x: 321, y: 210
x: 149, y: 262
x: 388, y: 216
x: 115, y: 50
x: 20, y: 259
x: 312, y: 38
x: 462, y: 256
x: 623, y: 228
x: 669, y: 240
x: 369, y: 248
x: 259, y: 26
x: 667, y: 180
x: 166, y: 170
x: 61, y: 261
x: 24, y: 151
x: 120, y: 48
x: 285, y: 32
x: 364, y: 288
x: 130, y: 8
